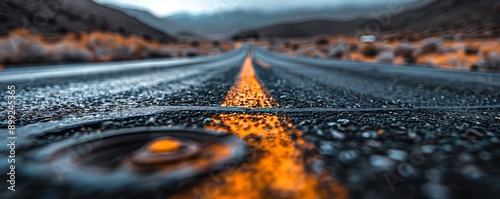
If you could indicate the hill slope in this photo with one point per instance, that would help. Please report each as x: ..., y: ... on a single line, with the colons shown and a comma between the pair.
x: 438, y: 15
x: 62, y: 16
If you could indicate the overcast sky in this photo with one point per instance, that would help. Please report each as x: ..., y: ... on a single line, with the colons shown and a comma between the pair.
x: 168, y: 7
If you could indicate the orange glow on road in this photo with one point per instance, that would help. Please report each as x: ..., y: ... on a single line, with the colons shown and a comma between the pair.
x: 165, y: 145
x: 276, y: 167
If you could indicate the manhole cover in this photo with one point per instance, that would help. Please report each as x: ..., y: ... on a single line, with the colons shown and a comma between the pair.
x: 144, y: 160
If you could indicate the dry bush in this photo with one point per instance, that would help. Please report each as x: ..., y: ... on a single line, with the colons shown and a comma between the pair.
x: 191, y: 53
x: 339, y: 50
x: 19, y: 48
x: 216, y: 43
x: 295, y: 47
x: 386, y: 56
x: 67, y: 52
x: 322, y: 40
x: 406, y: 50
x: 431, y: 45
x: 370, y: 50
x: 471, y: 50
x: 22, y: 46
x: 490, y: 61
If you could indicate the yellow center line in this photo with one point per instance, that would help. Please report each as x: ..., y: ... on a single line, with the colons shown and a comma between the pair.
x: 276, y: 168
x: 247, y: 91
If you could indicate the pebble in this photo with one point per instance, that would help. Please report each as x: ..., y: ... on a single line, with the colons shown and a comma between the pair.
x: 406, y: 170
x: 327, y: 148
x: 434, y: 175
x: 343, y: 121
x: 397, y: 154
x: 369, y: 135
x: 485, y: 156
x: 436, y: 191
x: 347, y: 156
x: 381, y: 161
x: 466, y: 157
x: 337, y: 135
x: 471, y: 171
x: 427, y: 149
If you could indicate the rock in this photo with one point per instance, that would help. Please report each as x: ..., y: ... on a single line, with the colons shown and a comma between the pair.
x: 381, y: 161
x: 466, y: 157
x: 471, y: 171
x: 397, y: 154
x: 434, y: 175
x: 347, y: 156
x: 406, y: 170
x: 474, y: 132
x: 337, y: 135
x: 320, y: 133
x: 485, y: 156
x: 436, y: 191
x: 369, y: 135
x: 427, y: 149
x: 343, y: 121
x: 327, y: 148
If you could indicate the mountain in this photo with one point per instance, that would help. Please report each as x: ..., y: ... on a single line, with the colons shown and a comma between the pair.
x: 424, y: 16
x: 227, y: 23
x: 146, y: 17
x: 62, y: 16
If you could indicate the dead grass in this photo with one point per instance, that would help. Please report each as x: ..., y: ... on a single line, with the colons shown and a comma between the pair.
x: 462, y: 54
x: 22, y: 46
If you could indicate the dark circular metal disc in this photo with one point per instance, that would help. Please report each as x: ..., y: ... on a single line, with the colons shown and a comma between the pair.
x: 111, y: 161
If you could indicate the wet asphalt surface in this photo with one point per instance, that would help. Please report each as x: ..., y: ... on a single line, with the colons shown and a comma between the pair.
x: 382, y: 134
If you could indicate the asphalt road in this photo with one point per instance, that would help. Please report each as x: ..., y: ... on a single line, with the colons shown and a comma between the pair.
x: 380, y: 131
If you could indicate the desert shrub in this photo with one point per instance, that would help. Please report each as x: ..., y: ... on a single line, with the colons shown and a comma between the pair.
x: 150, y: 52
x: 33, y: 52
x: 471, y: 50
x: 338, y: 50
x: 22, y: 46
x: 23, y: 49
x: 370, y: 50
x: 491, y: 61
x: 301, y: 53
x: 322, y: 40
x: 66, y: 52
x: 352, y: 47
x: 315, y: 54
x: 295, y: 47
x: 406, y: 51
x: 287, y: 44
x: 431, y: 45
x: 195, y: 44
x: 386, y: 56
x: 216, y: 43
x: 10, y: 48
x: 123, y: 51
x: 191, y: 53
